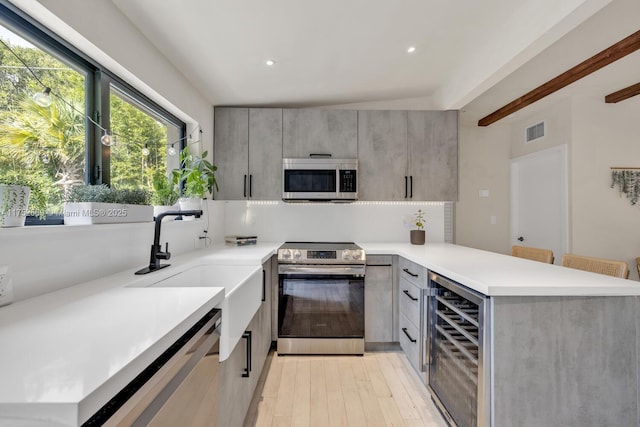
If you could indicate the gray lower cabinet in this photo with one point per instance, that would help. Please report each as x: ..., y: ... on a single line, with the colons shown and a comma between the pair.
x: 378, y: 299
x: 235, y: 391
x: 382, y: 155
x: 412, y: 282
x: 248, y: 153
x: 314, y: 131
x: 432, y: 141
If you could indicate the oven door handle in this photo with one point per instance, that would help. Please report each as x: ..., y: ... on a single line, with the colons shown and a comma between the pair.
x: 306, y: 270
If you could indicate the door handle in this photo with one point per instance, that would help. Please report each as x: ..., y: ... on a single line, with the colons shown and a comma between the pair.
x: 520, y: 239
x: 406, y: 191
x: 250, y: 185
x: 264, y: 286
x: 245, y: 187
x: 407, y: 334
x: 247, y: 369
x: 411, y: 297
x: 406, y: 270
x: 411, y: 187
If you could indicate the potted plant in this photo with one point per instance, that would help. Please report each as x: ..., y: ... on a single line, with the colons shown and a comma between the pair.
x: 197, y: 177
x: 165, y: 194
x: 99, y: 204
x: 418, y: 235
x: 19, y: 196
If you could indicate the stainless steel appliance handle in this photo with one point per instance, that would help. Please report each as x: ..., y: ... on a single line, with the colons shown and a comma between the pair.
x: 333, y: 270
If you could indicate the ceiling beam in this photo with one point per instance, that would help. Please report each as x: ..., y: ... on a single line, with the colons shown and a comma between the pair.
x: 623, y: 94
x: 611, y: 54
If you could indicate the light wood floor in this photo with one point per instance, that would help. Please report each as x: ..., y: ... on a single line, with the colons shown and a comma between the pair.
x: 377, y: 389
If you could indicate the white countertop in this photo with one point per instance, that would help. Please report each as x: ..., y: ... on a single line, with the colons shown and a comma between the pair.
x: 65, y: 354
x: 495, y: 274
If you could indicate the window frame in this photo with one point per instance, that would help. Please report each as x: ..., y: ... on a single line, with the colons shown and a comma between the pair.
x: 98, y: 84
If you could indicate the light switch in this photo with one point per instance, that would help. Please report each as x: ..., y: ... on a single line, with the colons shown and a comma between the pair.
x: 483, y: 193
x: 493, y: 220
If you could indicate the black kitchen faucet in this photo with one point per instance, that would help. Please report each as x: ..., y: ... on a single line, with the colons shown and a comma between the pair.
x: 156, y: 249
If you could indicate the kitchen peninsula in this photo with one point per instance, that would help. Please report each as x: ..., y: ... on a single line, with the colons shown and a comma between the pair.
x: 564, y: 342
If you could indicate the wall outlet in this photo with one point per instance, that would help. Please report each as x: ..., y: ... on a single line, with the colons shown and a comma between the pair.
x: 6, y: 287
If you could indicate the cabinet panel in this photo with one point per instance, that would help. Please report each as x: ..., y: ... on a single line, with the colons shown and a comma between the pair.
x: 410, y: 301
x: 382, y: 155
x: 307, y: 131
x: 412, y: 272
x: 410, y: 342
x: 231, y: 150
x: 234, y: 390
x: 378, y: 303
x: 265, y: 153
x: 433, y: 154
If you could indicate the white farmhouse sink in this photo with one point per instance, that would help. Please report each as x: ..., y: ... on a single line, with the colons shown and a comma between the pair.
x: 243, y: 294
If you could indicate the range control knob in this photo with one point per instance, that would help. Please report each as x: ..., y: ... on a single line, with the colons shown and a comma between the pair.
x: 286, y: 254
x: 297, y: 254
x: 346, y: 254
x: 357, y: 254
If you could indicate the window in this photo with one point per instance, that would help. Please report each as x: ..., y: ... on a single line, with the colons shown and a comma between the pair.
x: 44, y: 143
x: 58, y: 146
x: 143, y: 143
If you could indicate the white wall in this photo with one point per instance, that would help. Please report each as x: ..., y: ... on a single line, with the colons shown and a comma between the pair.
x: 360, y: 222
x: 604, y: 223
x: 483, y: 164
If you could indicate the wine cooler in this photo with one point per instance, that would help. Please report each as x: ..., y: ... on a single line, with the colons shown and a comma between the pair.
x: 459, y: 347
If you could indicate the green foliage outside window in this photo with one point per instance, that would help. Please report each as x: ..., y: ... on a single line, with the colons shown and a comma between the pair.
x: 47, y: 144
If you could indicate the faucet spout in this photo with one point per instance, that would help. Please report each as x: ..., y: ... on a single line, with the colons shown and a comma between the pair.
x: 156, y: 250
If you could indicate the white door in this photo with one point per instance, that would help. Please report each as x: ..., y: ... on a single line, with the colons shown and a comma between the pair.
x: 539, y: 201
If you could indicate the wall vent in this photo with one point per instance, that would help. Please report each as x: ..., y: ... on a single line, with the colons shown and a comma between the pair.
x: 534, y: 132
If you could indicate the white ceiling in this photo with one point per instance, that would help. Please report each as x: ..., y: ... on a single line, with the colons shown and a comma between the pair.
x: 353, y: 51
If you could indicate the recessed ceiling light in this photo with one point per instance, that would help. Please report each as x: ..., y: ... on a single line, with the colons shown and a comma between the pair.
x: 270, y: 62
x: 411, y: 49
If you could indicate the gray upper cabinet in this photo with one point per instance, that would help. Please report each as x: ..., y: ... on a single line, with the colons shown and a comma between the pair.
x: 231, y: 151
x: 248, y: 153
x: 265, y: 153
x: 382, y: 155
x: 310, y: 131
x: 432, y: 138
x: 408, y: 155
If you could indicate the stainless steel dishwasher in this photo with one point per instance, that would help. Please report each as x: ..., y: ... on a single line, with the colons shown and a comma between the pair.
x: 459, y: 352
x: 179, y: 388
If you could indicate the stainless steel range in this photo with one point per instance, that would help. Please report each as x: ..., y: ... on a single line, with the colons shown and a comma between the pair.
x: 321, y: 298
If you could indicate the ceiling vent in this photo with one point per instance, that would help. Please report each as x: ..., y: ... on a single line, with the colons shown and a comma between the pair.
x: 534, y: 132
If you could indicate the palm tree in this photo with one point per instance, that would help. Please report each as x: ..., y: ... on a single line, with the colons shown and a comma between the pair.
x: 47, y: 141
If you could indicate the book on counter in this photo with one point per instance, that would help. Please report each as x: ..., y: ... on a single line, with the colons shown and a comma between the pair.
x: 240, y: 240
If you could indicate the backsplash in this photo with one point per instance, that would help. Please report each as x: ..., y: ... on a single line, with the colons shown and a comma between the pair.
x: 359, y: 222
x: 47, y: 258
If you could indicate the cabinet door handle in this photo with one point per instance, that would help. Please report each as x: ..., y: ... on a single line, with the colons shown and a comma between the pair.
x: 245, y: 187
x: 406, y: 270
x: 407, y: 334
x: 264, y: 286
x: 411, y: 187
x: 250, y: 185
x: 406, y: 191
x: 411, y: 297
x: 247, y: 336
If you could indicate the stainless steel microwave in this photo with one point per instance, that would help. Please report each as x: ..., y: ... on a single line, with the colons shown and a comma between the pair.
x: 320, y: 179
